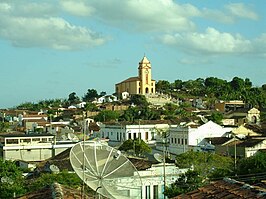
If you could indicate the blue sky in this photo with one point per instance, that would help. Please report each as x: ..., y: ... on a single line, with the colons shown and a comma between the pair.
x: 51, y: 48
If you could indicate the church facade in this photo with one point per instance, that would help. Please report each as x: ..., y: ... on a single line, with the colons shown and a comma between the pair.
x: 142, y: 84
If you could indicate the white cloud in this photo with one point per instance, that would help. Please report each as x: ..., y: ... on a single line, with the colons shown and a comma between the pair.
x: 144, y: 15
x: 78, y: 8
x: 241, y: 10
x: 211, y: 42
x: 23, y: 30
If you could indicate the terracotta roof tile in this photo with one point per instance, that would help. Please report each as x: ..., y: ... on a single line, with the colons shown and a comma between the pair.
x: 226, y: 189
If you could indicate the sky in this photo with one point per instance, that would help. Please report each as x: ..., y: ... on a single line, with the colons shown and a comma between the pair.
x: 51, y: 48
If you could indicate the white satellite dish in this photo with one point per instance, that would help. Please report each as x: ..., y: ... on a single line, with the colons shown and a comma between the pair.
x: 106, y: 170
x: 158, y: 157
x: 72, y: 137
x: 54, y: 169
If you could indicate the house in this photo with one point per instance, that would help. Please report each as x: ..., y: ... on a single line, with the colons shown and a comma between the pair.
x: 106, y: 98
x: 125, y: 95
x: 243, y: 132
x: 31, y: 147
x: 151, y: 174
x: 189, y: 137
x: 232, y: 105
x: 226, y: 188
x: 145, y: 130
x: 246, y: 148
x: 242, y: 116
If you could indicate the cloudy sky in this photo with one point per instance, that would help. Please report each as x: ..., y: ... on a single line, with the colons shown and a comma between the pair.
x: 51, y: 48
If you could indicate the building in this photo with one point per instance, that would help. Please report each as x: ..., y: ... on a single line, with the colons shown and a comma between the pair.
x: 184, y: 138
x: 242, y: 116
x: 31, y: 147
x: 142, y: 84
x: 118, y: 132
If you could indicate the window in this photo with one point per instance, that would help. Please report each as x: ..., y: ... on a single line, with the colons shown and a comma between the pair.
x: 25, y: 140
x: 175, y: 140
x: 12, y: 141
x: 185, y: 141
x: 36, y: 139
x: 146, y: 135
x: 155, y: 192
x: 147, y: 190
x: 172, y: 140
x: 178, y: 140
x: 129, y: 136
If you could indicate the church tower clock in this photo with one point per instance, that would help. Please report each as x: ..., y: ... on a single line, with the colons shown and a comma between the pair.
x: 146, y: 85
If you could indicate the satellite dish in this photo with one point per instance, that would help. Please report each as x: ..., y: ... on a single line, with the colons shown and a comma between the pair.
x: 106, y: 170
x: 54, y: 169
x: 158, y: 157
x: 72, y: 137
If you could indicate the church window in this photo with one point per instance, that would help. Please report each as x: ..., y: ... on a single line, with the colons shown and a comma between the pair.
x: 147, y: 79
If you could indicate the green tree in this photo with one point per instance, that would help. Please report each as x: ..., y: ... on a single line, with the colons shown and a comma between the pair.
x: 139, y: 100
x: 73, y: 98
x: 91, y: 107
x: 12, y: 181
x: 207, y: 164
x: 90, y: 95
x: 216, y: 117
x: 4, y: 126
x: 47, y: 179
x: 163, y: 86
x: 107, y: 116
x: 187, y: 182
x: 137, y: 146
x: 252, y: 165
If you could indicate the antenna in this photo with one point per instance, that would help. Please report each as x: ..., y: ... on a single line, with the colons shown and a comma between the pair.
x: 54, y: 168
x: 158, y: 157
x: 106, y: 170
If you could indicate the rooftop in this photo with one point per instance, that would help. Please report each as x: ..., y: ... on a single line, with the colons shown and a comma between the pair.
x: 226, y: 188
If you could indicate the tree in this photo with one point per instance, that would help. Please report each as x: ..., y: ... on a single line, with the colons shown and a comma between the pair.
x: 207, y: 164
x: 46, y: 179
x: 12, y: 181
x: 216, y: 117
x: 163, y: 86
x: 107, y: 116
x: 187, y: 182
x: 139, y: 100
x: 252, y: 165
x: 90, y: 95
x: 72, y: 98
x: 138, y: 146
x: 4, y: 126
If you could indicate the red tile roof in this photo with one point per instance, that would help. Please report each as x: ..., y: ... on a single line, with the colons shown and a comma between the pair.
x: 226, y: 188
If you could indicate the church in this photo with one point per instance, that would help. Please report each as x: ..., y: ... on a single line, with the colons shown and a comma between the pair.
x: 142, y: 84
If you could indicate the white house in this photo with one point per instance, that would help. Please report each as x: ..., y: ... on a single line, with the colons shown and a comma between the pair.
x: 152, y: 179
x: 31, y: 147
x: 122, y: 131
x: 106, y: 98
x: 184, y: 138
x: 125, y: 95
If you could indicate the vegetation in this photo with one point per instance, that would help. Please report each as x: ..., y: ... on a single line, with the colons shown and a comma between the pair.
x: 187, y: 182
x: 215, y: 88
x: 209, y: 165
x: 12, y: 182
x: 64, y: 178
x: 137, y: 146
